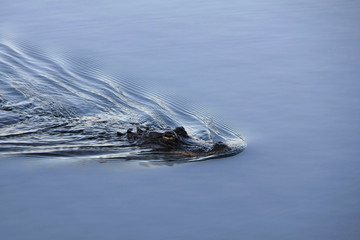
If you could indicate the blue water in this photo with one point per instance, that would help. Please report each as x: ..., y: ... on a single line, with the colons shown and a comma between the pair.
x: 67, y: 108
x: 284, y: 74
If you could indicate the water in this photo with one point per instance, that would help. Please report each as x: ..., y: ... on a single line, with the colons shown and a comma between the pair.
x: 285, y: 74
x: 60, y: 108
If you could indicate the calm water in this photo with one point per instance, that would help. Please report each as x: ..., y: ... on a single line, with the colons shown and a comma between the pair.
x: 285, y: 74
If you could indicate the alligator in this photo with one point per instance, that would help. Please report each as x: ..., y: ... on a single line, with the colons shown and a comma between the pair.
x: 175, y: 141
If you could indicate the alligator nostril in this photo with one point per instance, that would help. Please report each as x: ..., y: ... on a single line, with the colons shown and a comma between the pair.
x: 220, y: 147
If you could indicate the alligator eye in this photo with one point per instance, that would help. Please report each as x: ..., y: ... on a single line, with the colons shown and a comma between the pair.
x: 169, y: 136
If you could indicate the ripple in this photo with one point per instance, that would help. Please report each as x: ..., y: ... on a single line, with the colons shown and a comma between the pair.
x: 61, y: 107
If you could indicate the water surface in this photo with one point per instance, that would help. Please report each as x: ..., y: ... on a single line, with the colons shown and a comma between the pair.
x: 285, y: 74
x: 66, y: 108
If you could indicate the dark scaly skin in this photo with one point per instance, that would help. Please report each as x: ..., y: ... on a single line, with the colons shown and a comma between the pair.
x: 176, y: 141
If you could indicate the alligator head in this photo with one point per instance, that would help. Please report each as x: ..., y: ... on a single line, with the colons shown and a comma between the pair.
x: 176, y: 141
